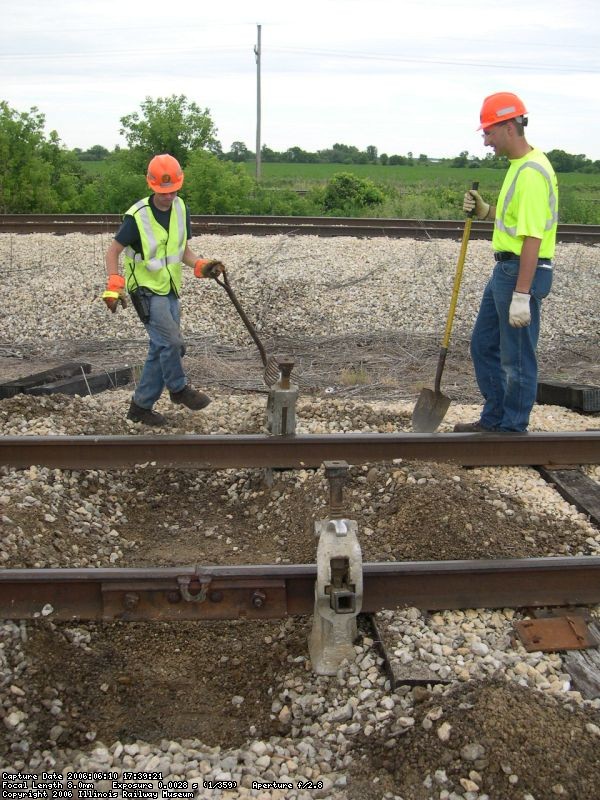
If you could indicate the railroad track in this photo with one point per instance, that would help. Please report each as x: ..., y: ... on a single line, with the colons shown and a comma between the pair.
x: 231, y: 225
x: 299, y: 451
x: 266, y: 591
x: 275, y: 591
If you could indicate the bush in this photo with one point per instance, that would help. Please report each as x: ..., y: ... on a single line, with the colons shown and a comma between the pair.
x: 117, y: 188
x: 283, y: 202
x: 345, y: 194
x: 217, y: 187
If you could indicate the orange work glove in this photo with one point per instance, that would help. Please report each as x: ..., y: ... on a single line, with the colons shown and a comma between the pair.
x: 208, y: 268
x: 115, y: 292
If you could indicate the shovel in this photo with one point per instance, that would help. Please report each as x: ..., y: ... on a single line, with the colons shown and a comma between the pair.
x: 431, y: 406
x: 271, y: 367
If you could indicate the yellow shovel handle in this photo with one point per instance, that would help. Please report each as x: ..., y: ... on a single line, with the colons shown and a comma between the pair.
x: 458, y: 274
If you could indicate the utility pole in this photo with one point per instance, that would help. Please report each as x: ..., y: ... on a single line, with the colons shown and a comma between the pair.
x: 257, y: 52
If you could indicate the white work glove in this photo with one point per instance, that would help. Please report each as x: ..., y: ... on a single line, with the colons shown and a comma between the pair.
x: 473, y: 200
x: 519, y: 314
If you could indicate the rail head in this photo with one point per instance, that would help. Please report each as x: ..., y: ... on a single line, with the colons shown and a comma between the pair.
x: 300, y: 451
x: 275, y: 591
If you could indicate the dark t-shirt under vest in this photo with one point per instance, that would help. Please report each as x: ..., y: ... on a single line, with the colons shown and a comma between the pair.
x: 129, y: 236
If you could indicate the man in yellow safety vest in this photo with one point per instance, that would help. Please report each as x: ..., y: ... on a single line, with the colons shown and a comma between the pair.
x: 505, y: 336
x: 154, y: 241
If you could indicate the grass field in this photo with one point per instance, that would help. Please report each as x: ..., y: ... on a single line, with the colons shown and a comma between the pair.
x: 435, y: 191
x: 441, y: 175
x: 421, y: 191
x: 303, y: 176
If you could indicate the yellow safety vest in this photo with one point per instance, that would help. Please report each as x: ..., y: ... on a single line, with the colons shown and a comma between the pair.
x: 527, y: 205
x: 158, y: 267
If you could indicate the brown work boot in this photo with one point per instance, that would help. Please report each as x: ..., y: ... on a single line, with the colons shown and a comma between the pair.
x: 145, y: 415
x: 190, y: 398
x: 471, y: 427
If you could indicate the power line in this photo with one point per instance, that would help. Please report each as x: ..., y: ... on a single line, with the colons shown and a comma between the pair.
x: 39, y: 55
x: 356, y: 56
x: 208, y: 52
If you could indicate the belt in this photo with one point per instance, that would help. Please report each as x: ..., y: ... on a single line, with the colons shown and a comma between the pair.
x: 508, y: 256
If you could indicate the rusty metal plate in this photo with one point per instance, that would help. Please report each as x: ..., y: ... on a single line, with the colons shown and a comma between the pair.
x: 266, y: 599
x: 555, y: 633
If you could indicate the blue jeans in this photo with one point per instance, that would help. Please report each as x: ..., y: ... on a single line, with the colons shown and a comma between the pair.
x: 163, y: 365
x: 504, y: 357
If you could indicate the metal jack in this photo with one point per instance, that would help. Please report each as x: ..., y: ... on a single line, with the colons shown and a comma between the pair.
x: 339, y: 584
x: 281, y: 405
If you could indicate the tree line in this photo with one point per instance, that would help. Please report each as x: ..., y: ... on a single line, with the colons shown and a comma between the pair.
x: 344, y: 154
x: 38, y: 174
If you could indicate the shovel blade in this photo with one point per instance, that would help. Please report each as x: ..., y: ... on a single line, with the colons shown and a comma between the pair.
x: 429, y: 411
x: 272, y: 372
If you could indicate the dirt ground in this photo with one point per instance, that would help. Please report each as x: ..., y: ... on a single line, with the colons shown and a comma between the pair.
x: 178, y: 518
x: 391, y: 364
x: 523, y: 733
x: 188, y: 674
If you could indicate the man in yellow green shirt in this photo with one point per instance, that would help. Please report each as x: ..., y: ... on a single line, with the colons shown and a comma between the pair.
x: 505, y: 336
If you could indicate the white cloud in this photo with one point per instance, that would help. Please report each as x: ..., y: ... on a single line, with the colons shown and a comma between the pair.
x: 402, y: 76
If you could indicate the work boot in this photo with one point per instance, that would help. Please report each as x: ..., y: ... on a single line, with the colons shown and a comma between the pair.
x: 190, y: 398
x: 146, y: 415
x: 471, y: 427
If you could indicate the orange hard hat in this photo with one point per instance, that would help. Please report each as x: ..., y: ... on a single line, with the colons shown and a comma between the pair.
x: 164, y: 174
x: 500, y: 107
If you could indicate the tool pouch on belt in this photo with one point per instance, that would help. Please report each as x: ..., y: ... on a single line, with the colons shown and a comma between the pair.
x: 140, y: 299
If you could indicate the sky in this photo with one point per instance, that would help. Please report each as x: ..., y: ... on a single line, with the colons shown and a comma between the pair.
x: 402, y: 75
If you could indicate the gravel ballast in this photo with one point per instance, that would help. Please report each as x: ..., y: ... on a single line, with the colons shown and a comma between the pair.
x: 237, y: 701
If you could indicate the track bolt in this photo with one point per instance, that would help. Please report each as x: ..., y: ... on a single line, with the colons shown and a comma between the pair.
x: 131, y: 600
x: 286, y: 365
x: 216, y: 597
x: 259, y: 598
x: 173, y: 597
x: 336, y: 473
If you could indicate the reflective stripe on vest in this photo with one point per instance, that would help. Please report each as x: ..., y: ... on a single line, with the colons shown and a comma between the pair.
x: 148, y: 233
x: 159, y: 264
x: 552, y: 199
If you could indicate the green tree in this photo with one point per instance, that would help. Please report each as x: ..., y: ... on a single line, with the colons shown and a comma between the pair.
x: 118, y: 186
x: 494, y: 162
x: 36, y: 173
x: 568, y: 162
x: 269, y: 155
x: 168, y: 125
x: 296, y: 155
x: 345, y: 153
x: 95, y: 153
x: 461, y: 160
x: 238, y: 153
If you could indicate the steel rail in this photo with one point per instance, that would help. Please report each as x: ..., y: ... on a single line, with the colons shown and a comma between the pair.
x: 275, y: 591
x: 264, y: 225
x: 244, y: 219
x: 298, y: 452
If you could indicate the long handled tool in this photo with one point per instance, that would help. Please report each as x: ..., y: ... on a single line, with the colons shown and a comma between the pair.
x: 431, y: 406
x: 271, y: 372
